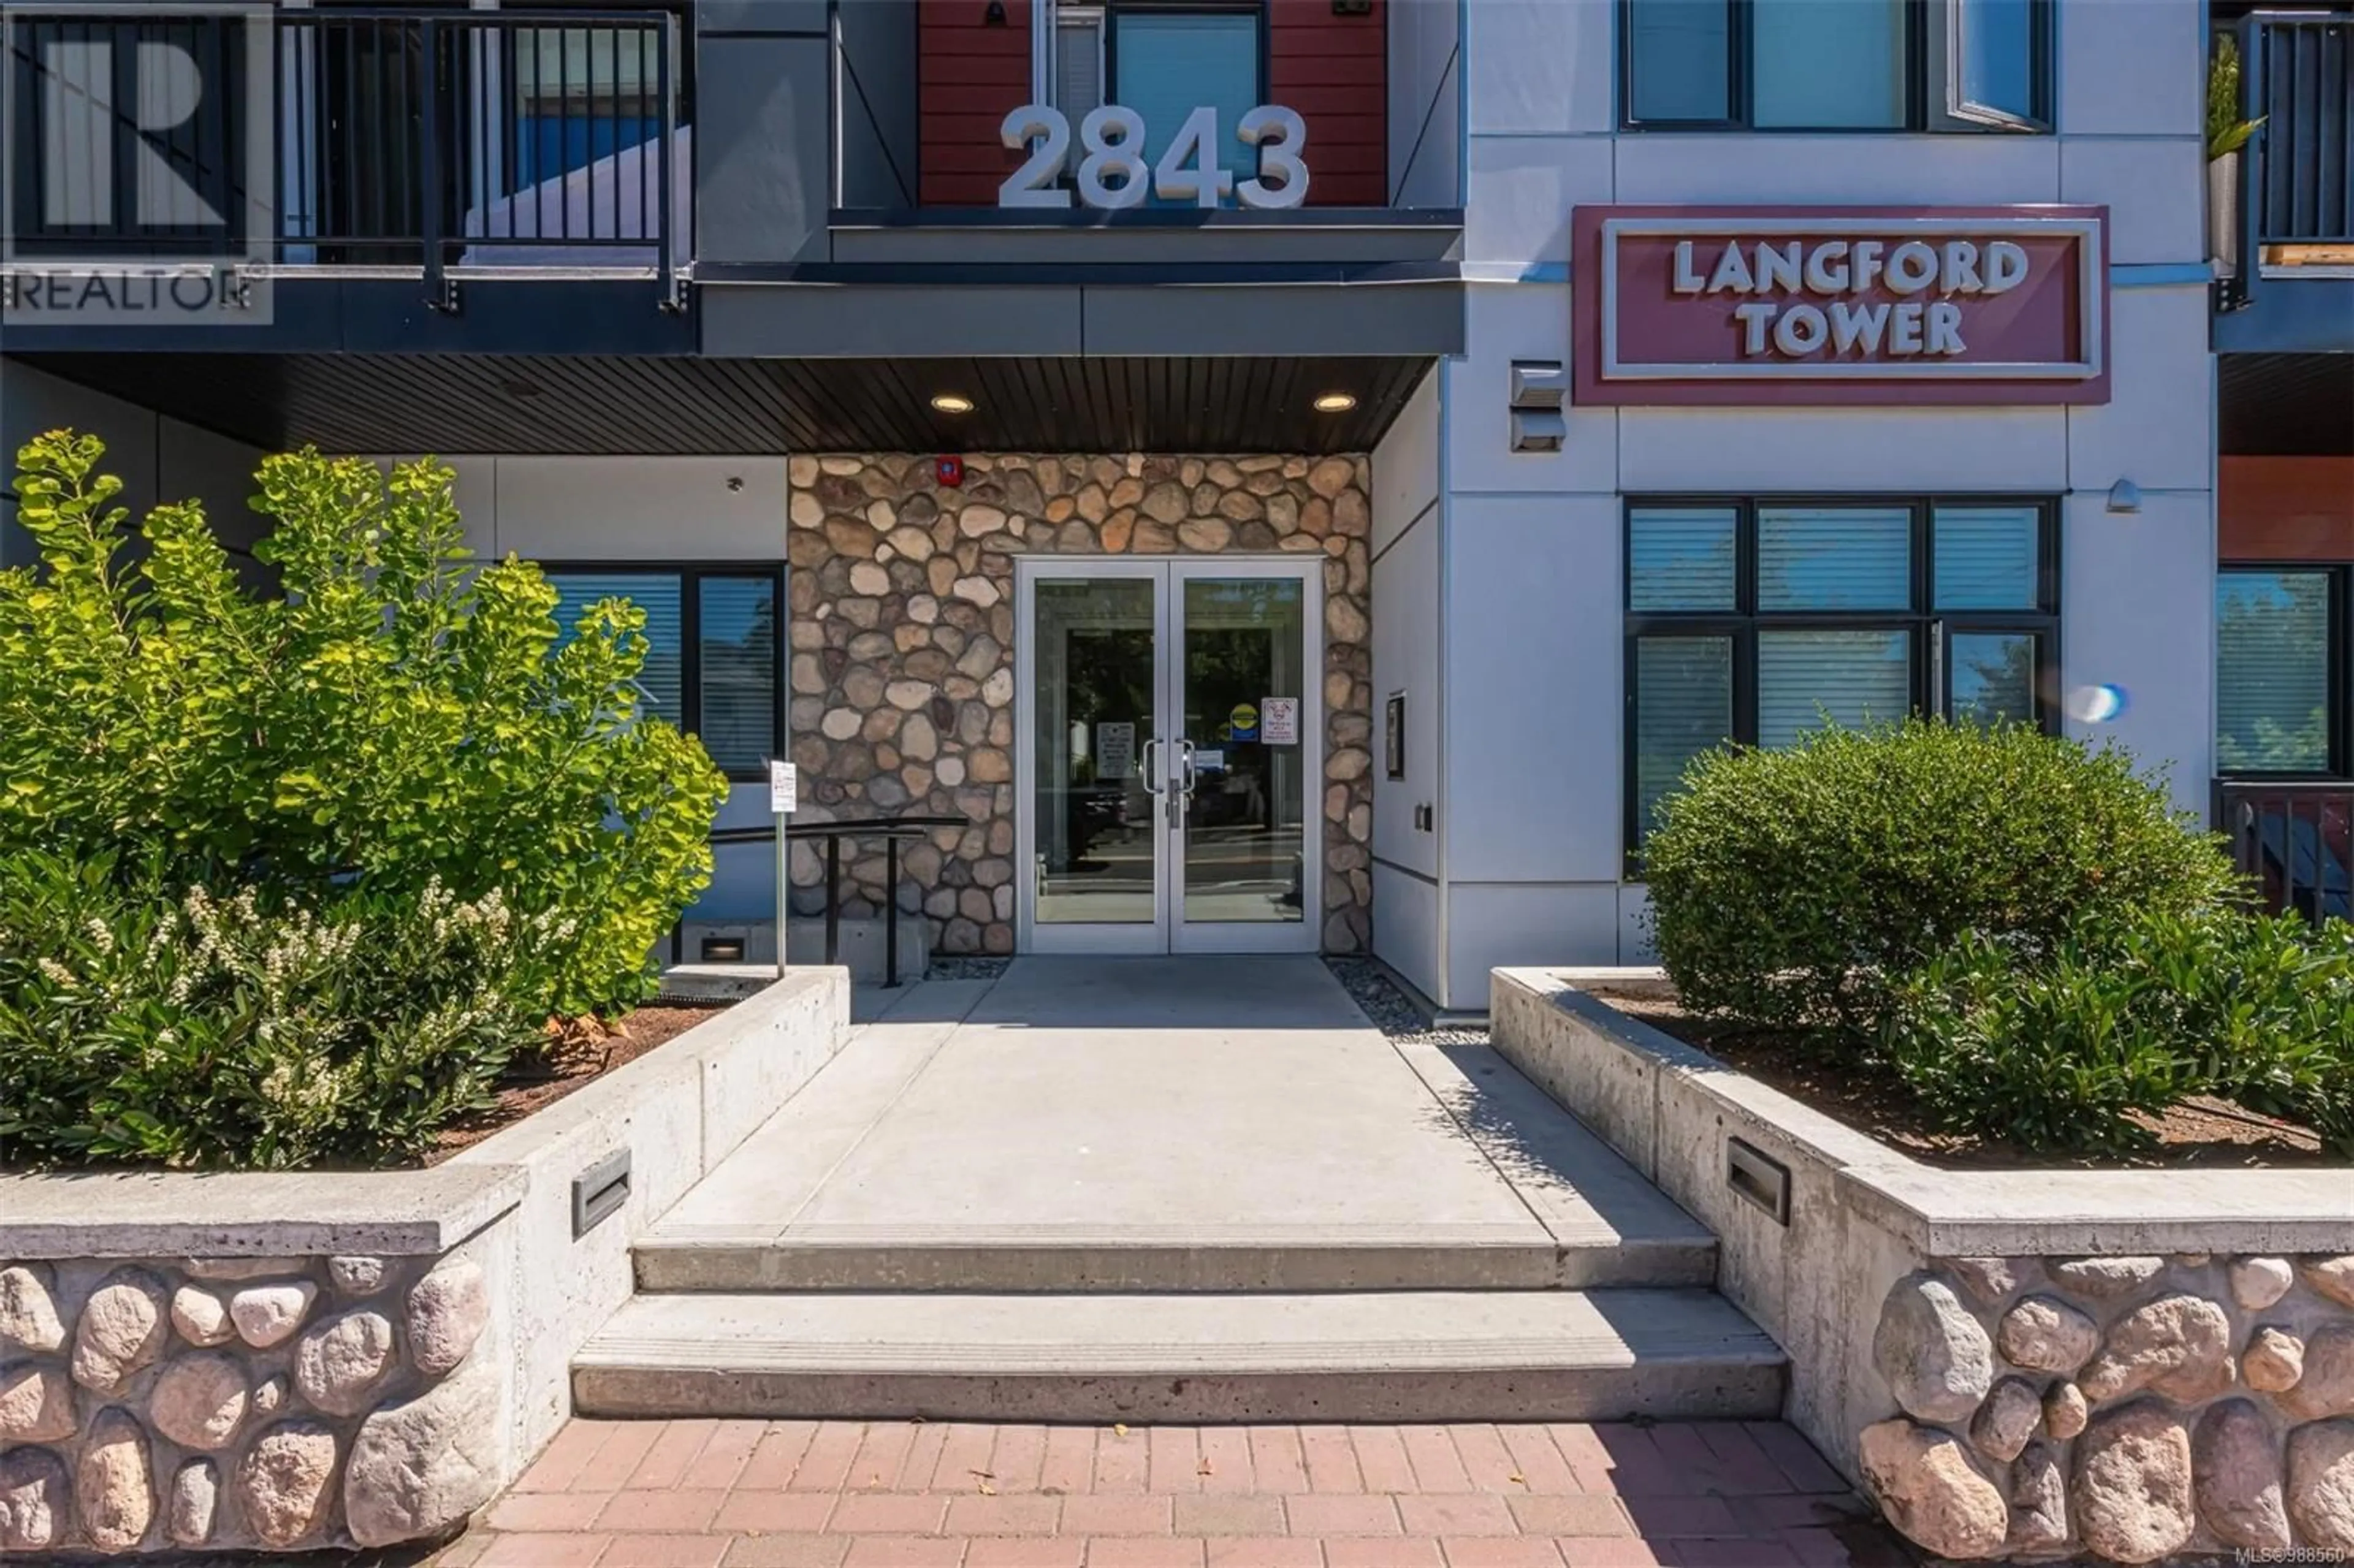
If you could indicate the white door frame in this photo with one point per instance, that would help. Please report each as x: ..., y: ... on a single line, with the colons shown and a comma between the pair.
x: 1169, y: 931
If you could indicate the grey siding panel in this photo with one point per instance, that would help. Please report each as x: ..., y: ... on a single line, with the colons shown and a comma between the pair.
x: 820, y: 322
x: 773, y: 16
x: 1404, y: 319
x: 761, y: 146
x: 878, y: 104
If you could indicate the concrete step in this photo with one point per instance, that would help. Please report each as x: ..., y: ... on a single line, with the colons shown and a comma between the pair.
x: 1533, y: 1355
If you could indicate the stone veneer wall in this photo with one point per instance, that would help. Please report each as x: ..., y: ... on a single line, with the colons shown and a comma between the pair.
x: 235, y: 1403
x: 903, y: 633
x: 2129, y: 1408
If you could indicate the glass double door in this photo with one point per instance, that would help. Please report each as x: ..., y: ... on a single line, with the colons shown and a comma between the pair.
x: 1170, y: 746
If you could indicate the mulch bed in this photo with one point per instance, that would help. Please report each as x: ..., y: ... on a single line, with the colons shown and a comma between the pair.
x: 2201, y: 1131
x: 584, y: 1051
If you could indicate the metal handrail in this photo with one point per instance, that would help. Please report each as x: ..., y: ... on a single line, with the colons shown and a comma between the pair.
x: 890, y: 830
x: 2295, y: 182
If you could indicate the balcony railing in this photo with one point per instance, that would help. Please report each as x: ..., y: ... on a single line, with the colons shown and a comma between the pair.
x: 2291, y: 190
x: 2294, y: 841
x: 413, y: 142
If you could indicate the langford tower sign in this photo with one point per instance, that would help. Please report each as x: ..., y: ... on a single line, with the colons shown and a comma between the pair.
x: 1943, y: 305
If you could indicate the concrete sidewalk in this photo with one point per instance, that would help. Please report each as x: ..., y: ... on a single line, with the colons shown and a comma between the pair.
x: 1194, y: 1123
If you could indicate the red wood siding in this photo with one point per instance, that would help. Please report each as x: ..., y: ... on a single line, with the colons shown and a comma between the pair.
x: 1334, y: 69
x: 970, y: 75
x: 2286, y: 508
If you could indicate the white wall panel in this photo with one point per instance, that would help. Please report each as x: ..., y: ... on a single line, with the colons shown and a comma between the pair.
x: 1533, y: 694
x: 1405, y: 465
x: 1405, y: 928
x: 2155, y: 429
x: 1505, y: 321
x: 1634, y: 930
x: 1908, y: 171
x: 2131, y: 66
x: 1493, y: 927
x: 1538, y: 66
x: 2156, y: 190
x: 641, y: 508
x: 1842, y: 449
x: 194, y: 464
x: 33, y: 402
x: 1523, y: 188
x: 1406, y: 659
x: 2138, y: 612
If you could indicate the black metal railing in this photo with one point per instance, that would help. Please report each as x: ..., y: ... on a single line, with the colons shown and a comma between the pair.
x: 2293, y: 841
x: 892, y: 831
x: 427, y: 141
x: 2294, y: 182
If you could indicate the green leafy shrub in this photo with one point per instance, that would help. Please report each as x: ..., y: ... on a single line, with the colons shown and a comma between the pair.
x: 253, y: 1030
x: 393, y: 719
x: 2051, y: 1050
x: 1795, y: 889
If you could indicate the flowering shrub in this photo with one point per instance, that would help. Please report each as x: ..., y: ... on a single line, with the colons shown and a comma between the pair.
x: 250, y: 1030
x: 395, y: 716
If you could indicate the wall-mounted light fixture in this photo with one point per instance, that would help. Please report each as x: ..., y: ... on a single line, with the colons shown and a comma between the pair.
x: 2125, y: 495
x: 1538, y: 387
x: 994, y: 16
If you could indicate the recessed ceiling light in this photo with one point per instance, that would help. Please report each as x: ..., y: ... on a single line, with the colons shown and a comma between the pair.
x: 1336, y: 402
x: 952, y: 403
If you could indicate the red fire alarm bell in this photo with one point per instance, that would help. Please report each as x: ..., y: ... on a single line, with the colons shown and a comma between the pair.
x: 950, y: 471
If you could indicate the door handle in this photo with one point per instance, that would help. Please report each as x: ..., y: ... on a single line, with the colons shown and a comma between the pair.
x: 1185, y: 757
x: 1145, y: 760
x: 1181, y: 796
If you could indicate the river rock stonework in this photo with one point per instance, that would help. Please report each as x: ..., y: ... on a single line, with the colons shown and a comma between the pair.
x: 902, y: 641
x: 2128, y: 1409
x: 224, y: 1404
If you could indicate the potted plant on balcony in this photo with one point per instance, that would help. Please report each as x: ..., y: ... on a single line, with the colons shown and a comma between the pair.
x: 2227, y: 134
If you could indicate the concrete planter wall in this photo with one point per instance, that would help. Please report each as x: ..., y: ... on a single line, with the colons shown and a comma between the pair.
x: 2125, y: 1365
x: 289, y: 1362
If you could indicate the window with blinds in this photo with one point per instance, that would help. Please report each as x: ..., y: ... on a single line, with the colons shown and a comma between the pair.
x: 2273, y: 675
x: 1079, y: 60
x: 1758, y: 621
x: 714, y: 649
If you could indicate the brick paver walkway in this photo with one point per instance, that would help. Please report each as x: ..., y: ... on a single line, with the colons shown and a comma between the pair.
x: 786, y: 1494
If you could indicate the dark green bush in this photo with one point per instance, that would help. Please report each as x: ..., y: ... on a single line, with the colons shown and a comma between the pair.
x: 252, y: 1030
x: 1795, y: 889
x: 2051, y: 1050
x: 395, y: 716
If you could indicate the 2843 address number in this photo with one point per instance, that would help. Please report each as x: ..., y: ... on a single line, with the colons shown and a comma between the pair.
x: 1112, y: 173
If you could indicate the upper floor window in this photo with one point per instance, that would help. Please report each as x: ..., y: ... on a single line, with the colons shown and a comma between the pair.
x: 1837, y: 65
x: 1163, y: 60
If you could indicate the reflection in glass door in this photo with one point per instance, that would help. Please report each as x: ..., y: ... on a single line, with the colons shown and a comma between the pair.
x: 1171, y: 738
x: 1242, y: 755
x: 1093, y: 714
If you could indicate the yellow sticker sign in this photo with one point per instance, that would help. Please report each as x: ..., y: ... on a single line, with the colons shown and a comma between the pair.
x: 1243, y: 723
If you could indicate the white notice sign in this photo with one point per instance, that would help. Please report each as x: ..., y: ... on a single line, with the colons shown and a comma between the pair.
x: 1278, y: 721
x: 784, y: 788
x: 1114, y: 750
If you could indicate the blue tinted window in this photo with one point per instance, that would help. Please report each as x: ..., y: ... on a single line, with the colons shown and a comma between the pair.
x: 1987, y: 556
x: 1681, y: 559
x: 1994, y: 676
x: 656, y: 593
x: 1168, y: 64
x: 1834, y: 64
x: 740, y: 637
x: 1834, y: 557
x: 2271, y: 672
x: 1847, y: 678
x: 1679, y: 55
x: 1993, y: 55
